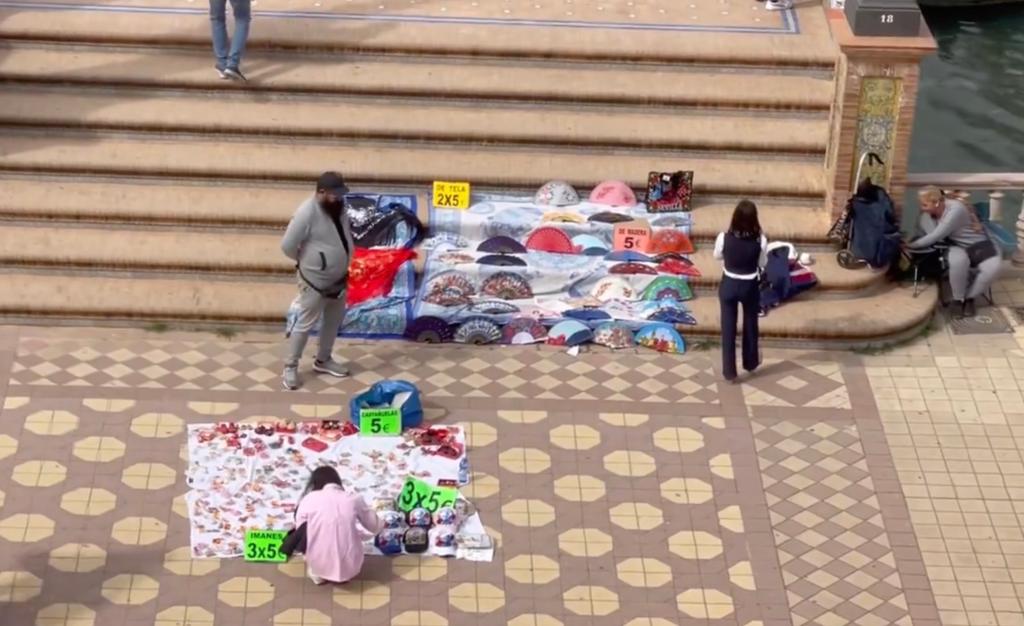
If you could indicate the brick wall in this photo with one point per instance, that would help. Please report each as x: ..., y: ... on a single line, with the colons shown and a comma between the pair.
x: 852, y: 117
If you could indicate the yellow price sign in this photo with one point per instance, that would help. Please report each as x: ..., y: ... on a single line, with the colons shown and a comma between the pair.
x: 449, y: 195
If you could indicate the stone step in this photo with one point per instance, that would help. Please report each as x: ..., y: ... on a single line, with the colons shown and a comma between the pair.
x: 435, y: 78
x: 793, y: 39
x: 39, y: 297
x: 409, y: 119
x: 153, y: 202
x: 389, y: 163
x: 259, y: 254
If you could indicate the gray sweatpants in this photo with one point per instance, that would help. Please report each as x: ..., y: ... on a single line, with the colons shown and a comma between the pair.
x: 960, y: 274
x: 313, y: 307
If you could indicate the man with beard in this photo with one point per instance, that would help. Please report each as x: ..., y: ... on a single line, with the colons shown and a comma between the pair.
x: 319, y: 240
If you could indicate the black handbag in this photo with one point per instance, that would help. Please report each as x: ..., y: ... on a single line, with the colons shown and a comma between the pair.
x: 978, y: 253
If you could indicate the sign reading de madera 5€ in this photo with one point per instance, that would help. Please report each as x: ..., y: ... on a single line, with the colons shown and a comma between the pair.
x: 451, y: 195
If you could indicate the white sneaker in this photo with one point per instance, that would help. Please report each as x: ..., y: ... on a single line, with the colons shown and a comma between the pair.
x: 331, y: 368
x: 778, y: 5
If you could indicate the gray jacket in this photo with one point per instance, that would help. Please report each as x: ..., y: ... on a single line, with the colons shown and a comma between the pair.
x: 312, y: 240
x: 958, y: 224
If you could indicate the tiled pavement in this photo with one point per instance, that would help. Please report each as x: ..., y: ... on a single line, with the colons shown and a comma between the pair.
x: 629, y: 489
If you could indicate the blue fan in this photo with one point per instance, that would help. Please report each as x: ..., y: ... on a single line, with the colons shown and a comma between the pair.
x: 628, y: 256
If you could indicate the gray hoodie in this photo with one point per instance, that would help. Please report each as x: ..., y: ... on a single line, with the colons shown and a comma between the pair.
x: 958, y: 224
x: 313, y: 241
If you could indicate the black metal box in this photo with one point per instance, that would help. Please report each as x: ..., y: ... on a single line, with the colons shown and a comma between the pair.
x: 884, y: 18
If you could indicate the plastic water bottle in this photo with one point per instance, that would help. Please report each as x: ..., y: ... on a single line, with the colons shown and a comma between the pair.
x: 464, y: 470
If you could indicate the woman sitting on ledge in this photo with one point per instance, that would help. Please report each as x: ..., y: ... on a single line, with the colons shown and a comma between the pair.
x: 949, y: 220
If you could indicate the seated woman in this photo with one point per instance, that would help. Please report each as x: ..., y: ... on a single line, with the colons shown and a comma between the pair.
x: 949, y: 220
x: 334, y: 544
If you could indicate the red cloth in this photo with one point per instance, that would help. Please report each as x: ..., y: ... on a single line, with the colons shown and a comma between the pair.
x: 372, y: 272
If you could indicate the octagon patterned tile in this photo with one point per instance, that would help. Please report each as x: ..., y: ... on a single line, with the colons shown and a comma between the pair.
x: 151, y: 476
x: 704, y: 603
x: 528, y: 513
x: 26, y: 528
x: 481, y: 486
x: 179, y: 561
x: 15, y: 402
x: 419, y: 618
x: 624, y: 419
x: 636, y: 516
x: 130, y: 589
x: 302, y: 617
x: 523, y: 417
x: 157, y: 425
x: 245, y: 592
x: 39, y: 473
x: 585, y: 542
x: 476, y: 597
x: 644, y: 572
x: 480, y: 434
x: 524, y: 460
x: 576, y: 488
x: 51, y: 423
x: 362, y: 595
x: 575, y: 437
x: 184, y: 615
x: 695, y: 544
x: 63, y: 614
x: 8, y: 446
x: 686, y: 490
x: 19, y: 586
x: 674, y: 439
x: 416, y: 568
x: 99, y: 449
x: 89, y: 501
x: 591, y: 600
x: 78, y: 557
x: 531, y: 569
x: 629, y: 463
x: 139, y: 531
x: 534, y: 619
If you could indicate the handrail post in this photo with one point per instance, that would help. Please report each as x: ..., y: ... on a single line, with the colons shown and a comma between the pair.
x: 995, y: 206
x: 1018, y: 256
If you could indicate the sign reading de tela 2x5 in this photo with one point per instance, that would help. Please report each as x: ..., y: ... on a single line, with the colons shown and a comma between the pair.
x: 451, y: 195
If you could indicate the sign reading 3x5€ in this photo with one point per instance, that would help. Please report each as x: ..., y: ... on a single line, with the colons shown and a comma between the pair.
x: 451, y: 195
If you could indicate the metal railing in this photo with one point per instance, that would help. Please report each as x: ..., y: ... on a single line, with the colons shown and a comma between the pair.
x: 962, y: 185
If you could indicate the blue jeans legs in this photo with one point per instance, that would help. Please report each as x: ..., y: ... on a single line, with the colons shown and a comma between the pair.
x: 229, y: 51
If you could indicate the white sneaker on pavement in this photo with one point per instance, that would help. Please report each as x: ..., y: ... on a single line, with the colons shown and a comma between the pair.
x: 332, y: 368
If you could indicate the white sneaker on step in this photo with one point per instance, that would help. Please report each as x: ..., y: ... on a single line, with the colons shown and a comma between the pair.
x: 778, y: 5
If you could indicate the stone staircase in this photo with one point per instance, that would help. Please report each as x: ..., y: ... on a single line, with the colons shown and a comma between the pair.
x: 136, y: 185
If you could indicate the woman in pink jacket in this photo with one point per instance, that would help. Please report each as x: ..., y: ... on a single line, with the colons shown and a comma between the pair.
x: 334, y: 543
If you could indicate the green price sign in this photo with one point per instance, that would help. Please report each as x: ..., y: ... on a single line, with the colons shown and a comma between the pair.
x: 265, y: 546
x: 417, y: 494
x: 380, y: 422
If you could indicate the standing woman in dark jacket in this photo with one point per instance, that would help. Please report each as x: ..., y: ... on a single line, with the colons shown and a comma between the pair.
x: 742, y: 251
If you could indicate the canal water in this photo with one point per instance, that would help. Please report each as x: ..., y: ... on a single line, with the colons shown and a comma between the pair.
x: 970, y: 111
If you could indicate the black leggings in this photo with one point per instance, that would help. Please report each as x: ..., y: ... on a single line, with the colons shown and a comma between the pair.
x: 733, y: 292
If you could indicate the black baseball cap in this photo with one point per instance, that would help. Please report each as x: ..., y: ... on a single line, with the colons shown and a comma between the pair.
x: 332, y: 182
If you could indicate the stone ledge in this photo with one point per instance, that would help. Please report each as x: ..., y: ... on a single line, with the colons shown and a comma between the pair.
x: 227, y: 253
x: 41, y: 298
